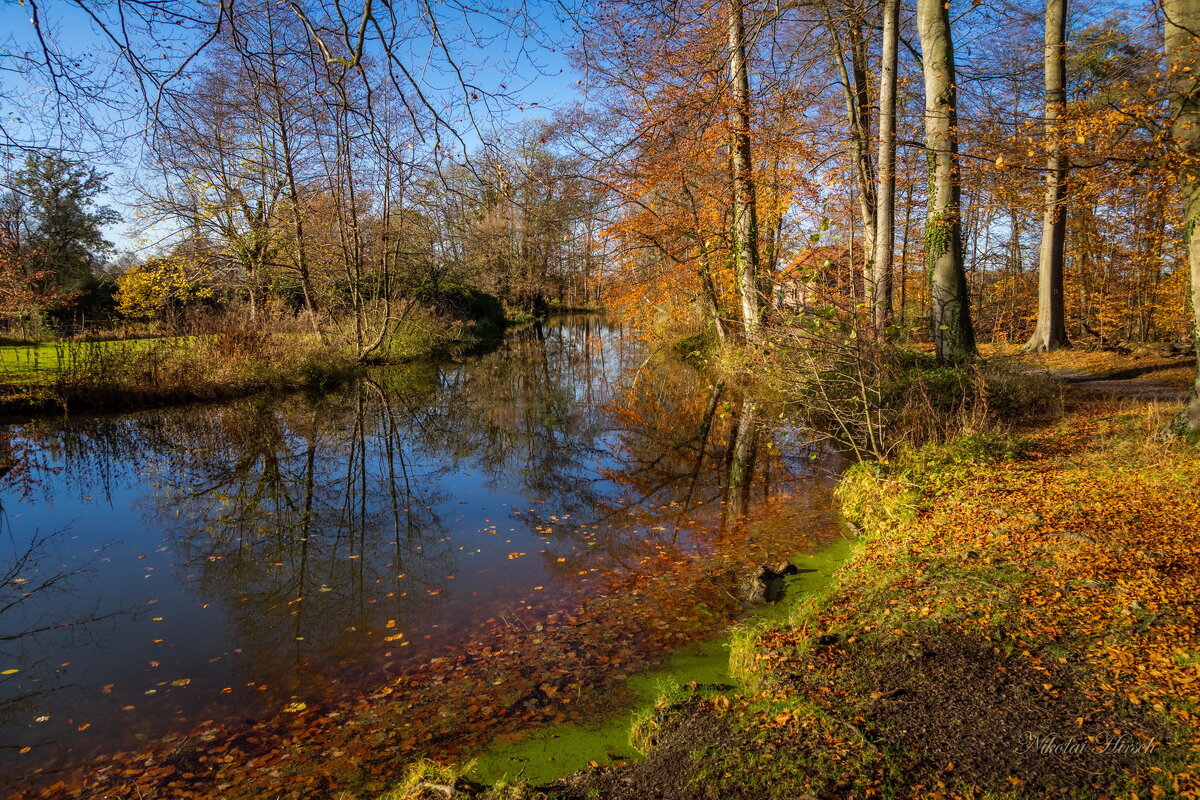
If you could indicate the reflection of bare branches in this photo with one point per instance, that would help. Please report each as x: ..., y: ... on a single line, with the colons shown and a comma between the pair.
x: 39, y: 676
x: 23, y: 562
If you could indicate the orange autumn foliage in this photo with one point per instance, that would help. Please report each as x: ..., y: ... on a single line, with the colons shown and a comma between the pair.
x: 671, y: 241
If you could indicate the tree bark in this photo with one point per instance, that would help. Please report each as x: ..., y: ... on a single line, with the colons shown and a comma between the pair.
x: 953, y: 336
x: 711, y: 301
x: 858, y: 102
x: 1182, y: 37
x: 745, y: 222
x: 885, y: 162
x: 1050, y: 333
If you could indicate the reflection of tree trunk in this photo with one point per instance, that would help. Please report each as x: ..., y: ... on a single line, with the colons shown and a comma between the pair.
x: 302, y: 570
x: 706, y: 424
x: 395, y: 454
x: 741, y: 464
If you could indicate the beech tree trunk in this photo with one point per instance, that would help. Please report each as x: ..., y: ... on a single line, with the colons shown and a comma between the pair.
x: 1050, y: 333
x: 885, y: 193
x: 953, y: 336
x: 745, y: 218
x: 1182, y: 37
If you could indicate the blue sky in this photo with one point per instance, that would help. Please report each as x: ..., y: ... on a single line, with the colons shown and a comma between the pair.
x: 484, y: 45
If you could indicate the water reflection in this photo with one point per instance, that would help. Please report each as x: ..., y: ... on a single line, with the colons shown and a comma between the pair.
x: 285, y: 552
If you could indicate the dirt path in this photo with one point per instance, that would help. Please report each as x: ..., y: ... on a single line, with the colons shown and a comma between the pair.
x: 1158, y: 381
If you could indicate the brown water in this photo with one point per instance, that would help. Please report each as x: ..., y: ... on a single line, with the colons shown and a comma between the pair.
x: 425, y: 560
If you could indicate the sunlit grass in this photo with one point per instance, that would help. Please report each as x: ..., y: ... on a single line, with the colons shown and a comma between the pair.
x: 29, y: 362
x: 44, y: 362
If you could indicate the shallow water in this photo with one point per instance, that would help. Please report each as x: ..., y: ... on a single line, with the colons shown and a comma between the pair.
x: 217, y: 566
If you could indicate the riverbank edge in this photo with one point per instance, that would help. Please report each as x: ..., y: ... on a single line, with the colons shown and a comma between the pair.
x: 1095, y: 667
x: 1013, y: 622
x: 315, y: 368
x: 554, y: 752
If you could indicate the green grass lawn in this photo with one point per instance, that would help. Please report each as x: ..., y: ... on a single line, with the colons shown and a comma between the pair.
x: 23, y: 364
x: 30, y: 363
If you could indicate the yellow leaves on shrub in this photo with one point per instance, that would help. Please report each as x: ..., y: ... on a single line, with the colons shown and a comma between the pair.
x: 146, y: 291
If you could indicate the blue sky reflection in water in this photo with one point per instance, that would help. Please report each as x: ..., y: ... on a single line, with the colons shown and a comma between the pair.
x: 223, y: 562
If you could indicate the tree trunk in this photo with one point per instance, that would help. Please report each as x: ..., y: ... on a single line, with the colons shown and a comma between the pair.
x: 953, y: 336
x: 864, y: 169
x: 885, y: 162
x: 1050, y: 333
x: 711, y: 301
x: 857, y: 101
x: 1183, y: 64
x: 745, y: 222
x: 708, y: 288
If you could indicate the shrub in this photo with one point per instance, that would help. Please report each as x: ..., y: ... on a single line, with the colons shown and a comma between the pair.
x: 463, y: 302
x: 874, y: 398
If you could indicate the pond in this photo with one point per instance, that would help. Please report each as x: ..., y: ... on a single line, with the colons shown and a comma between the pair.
x: 301, y: 593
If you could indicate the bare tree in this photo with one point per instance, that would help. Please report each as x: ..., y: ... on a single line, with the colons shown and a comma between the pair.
x: 856, y: 94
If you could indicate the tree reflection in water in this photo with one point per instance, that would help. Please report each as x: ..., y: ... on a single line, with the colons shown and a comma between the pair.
x: 302, y: 549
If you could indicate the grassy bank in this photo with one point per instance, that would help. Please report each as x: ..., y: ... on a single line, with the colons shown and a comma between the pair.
x: 221, y: 362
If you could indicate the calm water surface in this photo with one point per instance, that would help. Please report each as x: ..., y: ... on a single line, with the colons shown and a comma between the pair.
x: 212, y: 564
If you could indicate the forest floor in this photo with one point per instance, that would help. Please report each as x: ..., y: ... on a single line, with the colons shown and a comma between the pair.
x: 1018, y: 621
